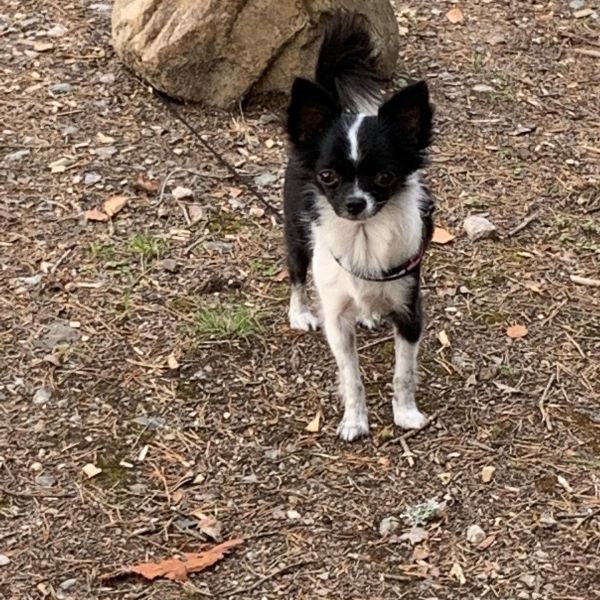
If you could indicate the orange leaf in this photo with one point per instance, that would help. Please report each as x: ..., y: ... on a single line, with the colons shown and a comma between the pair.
x: 441, y: 236
x: 455, y: 15
x: 114, y: 204
x: 176, y: 568
x: 281, y: 276
x: 95, y: 215
x: 143, y: 184
x: 516, y: 331
x: 487, y: 542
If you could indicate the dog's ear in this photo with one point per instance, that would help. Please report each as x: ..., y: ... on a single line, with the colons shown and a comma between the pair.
x: 312, y: 109
x: 408, y: 113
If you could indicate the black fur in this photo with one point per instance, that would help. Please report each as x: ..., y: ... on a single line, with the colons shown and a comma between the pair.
x: 393, y: 142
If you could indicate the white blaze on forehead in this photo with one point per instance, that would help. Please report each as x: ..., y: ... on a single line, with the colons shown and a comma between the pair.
x: 353, y: 137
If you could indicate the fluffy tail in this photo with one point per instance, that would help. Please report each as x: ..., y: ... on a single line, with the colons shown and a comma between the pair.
x: 348, y: 65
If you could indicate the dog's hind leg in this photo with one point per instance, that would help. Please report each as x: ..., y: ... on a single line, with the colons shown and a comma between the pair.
x: 407, y: 332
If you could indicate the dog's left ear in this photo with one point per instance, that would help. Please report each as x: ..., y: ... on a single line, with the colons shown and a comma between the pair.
x: 312, y: 109
x: 409, y: 113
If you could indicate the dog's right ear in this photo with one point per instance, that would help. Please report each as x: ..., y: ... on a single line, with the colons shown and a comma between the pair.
x: 312, y: 109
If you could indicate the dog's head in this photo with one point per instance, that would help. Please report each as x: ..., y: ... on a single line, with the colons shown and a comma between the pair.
x: 359, y: 162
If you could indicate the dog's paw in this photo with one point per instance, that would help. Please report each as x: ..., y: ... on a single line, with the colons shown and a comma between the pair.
x: 304, y: 321
x: 409, y: 418
x: 372, y: 321
x: 354, y: 427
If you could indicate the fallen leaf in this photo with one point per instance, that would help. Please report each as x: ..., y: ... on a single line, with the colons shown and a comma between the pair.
x: 178, y: 569
x: 442, y: 236
x: 151, y: 186
x: 208, y: 525
x: 114, y: 204
x: 172, y: 362
x: 444, y: 339
x: 455, y: 15
x: 90, y: 470
x: 95, y: 215
x: 516, y: 331
x: 179, y: 193
x: 315, y: 425
x: 43, y: 46
x: 196, y: 212
x: 458, y: 574
x: 283, y: 275
x: 421, y: 552
x: 105, y: 139
x: 416, y: 535
x: 487, y: 542
x: 235, y: 192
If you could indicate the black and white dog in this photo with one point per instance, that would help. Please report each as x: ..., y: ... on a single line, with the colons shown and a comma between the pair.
x: 355, y: 205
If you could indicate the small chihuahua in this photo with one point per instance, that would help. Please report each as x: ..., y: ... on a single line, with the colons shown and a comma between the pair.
x: 355, y: 205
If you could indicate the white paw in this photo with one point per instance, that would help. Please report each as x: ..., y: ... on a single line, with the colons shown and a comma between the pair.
x: 354, y: 427
x: 305, y: 321
x: 372, y: 321
x: 409, y: 418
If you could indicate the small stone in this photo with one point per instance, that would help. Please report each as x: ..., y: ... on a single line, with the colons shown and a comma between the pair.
x: 105, y: 152
x: 265, y: 179
x: 17, y: 156
x: 56, y: 31
x: 273, y: 453
x: 170, y: 264
x: 69, y: 130
x: 482, y: 88
x: 487, y: 474
x: 139, y: 489
x: 388, y: 526
x: 495, y: 39
x: 100, y: 7
x: 151, y: 423
x: 196, y: 212
x: 547, y: 520
x: 61, y: 88
x: 293, y: 515
x: 584, y: 12
x: 67, y: 584
x: 220, y: 247
x: 475, y: 535
x: 479, y: 228
x: 36, y: 466
x: 92, y: 178
x: 33, y: 280
x: 179, y: 193
x: 107, y: 78
x: 576, y: 4
x: 45, y: 480
x: 56, y: 333
x: 528, y: 579
x: 41, y: 396
x: 4, y: 560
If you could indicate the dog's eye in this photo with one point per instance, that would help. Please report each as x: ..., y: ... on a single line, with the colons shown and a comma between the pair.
x: 384, y: 179
x: 329, y: 178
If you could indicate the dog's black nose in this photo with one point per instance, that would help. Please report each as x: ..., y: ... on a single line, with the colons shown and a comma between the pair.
x: 355, y: 206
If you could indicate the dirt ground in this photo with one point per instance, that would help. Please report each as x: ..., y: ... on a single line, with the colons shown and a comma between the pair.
x: 155, y: 346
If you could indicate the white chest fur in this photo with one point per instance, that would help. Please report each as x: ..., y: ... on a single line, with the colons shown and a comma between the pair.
x: 369, y: 247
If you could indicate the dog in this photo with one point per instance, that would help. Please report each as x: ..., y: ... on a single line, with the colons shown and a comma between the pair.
x: 356, y: 208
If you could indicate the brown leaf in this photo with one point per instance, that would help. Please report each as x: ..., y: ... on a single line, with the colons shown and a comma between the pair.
x: 235, y: 192
x: 178, y: 569
x: 208, y: 525
x: 516, y: 331
x: 441, y: 236
x: 143, y: 184
x: 114, y: 204
x: 458, y: 574
x: 95, y: 215
x: 315, y: 425
x: 283, y: 275
x: 487, y: 542
x: 455, y: 15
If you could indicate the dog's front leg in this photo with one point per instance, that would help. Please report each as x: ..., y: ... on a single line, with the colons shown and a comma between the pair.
x: 340, y: 331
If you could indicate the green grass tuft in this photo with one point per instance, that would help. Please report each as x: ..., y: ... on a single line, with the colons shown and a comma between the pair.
x: 222, y: 321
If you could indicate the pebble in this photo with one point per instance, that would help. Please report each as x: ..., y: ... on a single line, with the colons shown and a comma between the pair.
x: 169, y: 264
x: 487, y: 474
x: 92, y: 178
x: 388, y: 525
x: 482, y: 88
x: 69, y: 130
x: 56, y: 31
x: 61, y: 88
x: 33, y: 280
x: 100, y: 7
x: 16, y: 156
x: 56, y: 333
x: 479, y: 228
x: 179, y: 193
x: 475, y: 535
x: 576, y: 4
x: 41, y: 396
x: 45, y: 480
x: 293, y: 515
x: 105, y: 152
x: 67, y: 584
x: 108, y: 78
x: 4, y: 560
x: 265, y: 179
x: 151, y: 423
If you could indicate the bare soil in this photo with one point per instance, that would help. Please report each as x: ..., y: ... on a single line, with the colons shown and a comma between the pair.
x: 155, y: 346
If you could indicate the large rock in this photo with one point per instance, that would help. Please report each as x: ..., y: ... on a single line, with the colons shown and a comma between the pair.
x: 219, y: 51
